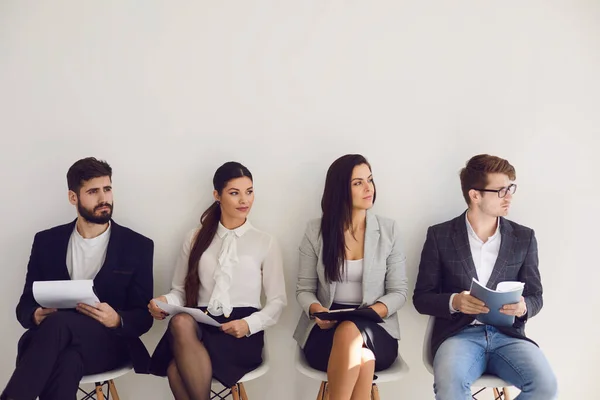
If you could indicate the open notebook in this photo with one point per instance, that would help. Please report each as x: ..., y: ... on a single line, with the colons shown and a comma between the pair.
x: 508, y: 292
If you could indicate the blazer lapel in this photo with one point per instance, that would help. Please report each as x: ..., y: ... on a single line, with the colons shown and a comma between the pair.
x: 61, y: 252
x: 507, y: 247
x: 329, y: 288
x: 331, y: 293
x: 460, y: 239
x: 370, y: 250
x: 112, y: 252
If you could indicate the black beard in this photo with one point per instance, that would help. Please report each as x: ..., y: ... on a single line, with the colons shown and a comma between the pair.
x: 90, y: 217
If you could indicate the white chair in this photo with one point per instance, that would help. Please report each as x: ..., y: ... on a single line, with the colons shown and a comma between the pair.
x: 398, y: 369
x: 237, y: 391
x: 105, y: 378
x: 499, y: 386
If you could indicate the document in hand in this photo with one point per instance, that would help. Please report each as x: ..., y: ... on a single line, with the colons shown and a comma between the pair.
x: 196, y: 313
x: 64, y: 294
x: 508, y: 292
x: 349, y: 314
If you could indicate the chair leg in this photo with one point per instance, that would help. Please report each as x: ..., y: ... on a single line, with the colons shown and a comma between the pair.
x: 501, y: 394
x: 321, y: 394
x: 112, y: 390
x: 235, y: 392
x: 243, y: 394
x: 99, y: 393
x: 375, y: 392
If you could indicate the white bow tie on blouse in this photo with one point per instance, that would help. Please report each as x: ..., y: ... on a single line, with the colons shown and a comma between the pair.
x: 220, y: 301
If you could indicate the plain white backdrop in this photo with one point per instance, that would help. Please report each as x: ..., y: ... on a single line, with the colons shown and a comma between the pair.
x: 166, y: 92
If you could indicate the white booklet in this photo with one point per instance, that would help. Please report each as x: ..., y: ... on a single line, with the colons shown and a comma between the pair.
x: 196, y: 313
x: 64, y: 294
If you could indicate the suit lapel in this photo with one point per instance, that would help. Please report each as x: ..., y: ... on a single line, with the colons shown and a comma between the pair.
x: 370, y: 250
x: 460, y: 239
x: 62, y: 246
x: 112, y: 252
x: 331, y: 293
x: 507, y: 247
x: 330, y: 287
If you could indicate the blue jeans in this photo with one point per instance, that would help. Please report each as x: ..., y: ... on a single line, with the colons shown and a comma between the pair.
x: 463, y: 358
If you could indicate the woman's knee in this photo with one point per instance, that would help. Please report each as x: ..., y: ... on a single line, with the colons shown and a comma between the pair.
x: 347, y: 332
x: 182, y: 324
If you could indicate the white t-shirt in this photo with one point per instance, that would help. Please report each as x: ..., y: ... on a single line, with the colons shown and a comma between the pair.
x: 85, y: 257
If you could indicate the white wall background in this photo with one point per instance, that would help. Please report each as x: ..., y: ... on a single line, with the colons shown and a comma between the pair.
x: 166, y: 92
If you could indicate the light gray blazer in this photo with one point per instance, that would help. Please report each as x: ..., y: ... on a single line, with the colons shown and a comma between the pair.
x: 384, y: 274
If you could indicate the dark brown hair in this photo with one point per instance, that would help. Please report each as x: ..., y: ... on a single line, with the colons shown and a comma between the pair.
x: 336, y: 205
x: 84, y: 170
x: 210, y: 222
x: 475, y: 173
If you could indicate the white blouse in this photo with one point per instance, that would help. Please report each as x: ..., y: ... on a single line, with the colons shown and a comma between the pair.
x: 233, y: 270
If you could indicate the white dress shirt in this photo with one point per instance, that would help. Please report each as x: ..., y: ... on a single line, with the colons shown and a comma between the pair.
x: 349, y: 290
x: 85, y: 257
x: 232, y: 271
x: 484, y: 254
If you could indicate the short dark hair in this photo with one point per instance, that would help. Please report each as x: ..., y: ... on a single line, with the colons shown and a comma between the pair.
x: 475, y: 173
x: 86, y: 169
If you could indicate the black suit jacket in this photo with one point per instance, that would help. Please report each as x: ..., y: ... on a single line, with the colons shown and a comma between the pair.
x: 125, y: 282
x: 447, y: 267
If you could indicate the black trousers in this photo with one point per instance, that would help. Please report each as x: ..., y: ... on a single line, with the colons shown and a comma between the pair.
x: 53, y: 357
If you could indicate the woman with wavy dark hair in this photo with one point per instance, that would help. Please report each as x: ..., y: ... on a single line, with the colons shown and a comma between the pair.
x: 224, y: 265
x: 350, y: 258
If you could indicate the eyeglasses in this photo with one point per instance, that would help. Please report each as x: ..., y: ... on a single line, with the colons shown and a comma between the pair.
x: 502, y: 192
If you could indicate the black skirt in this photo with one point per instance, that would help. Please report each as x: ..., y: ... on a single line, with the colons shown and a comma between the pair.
x: 318, y: 346
x: 231, y: 358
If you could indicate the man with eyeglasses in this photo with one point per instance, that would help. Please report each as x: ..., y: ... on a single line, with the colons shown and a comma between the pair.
x: 482, y: 244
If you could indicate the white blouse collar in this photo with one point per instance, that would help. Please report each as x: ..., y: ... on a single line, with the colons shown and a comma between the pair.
x: 239, y: 231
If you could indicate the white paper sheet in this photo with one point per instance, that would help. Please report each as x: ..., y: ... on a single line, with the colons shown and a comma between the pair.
x: 509, y: 286
x: 197, y: 314
x: 64, y: 294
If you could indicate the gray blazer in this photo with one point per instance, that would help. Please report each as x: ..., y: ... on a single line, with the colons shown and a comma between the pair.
x: 384, y: 274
